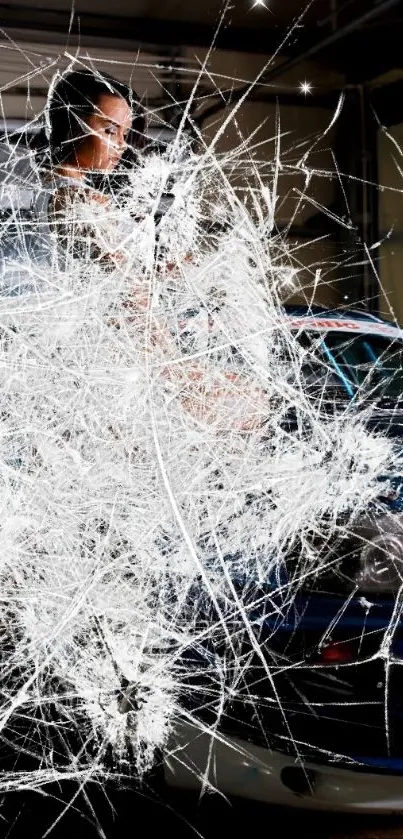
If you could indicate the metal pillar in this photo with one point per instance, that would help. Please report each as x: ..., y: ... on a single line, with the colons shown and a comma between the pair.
x: 357, y: 158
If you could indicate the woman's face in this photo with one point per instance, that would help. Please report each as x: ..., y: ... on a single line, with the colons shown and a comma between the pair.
x: 105, y: 143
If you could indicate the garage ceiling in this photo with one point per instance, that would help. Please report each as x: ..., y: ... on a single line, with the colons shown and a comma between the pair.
x: 159, y: 43
x: 242, y: 12
x: 358, y: 40
x: 361, y: 38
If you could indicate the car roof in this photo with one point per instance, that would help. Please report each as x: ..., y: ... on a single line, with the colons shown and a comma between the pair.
x: 355, y: 321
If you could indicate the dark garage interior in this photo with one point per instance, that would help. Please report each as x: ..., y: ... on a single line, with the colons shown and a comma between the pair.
x: 307, y: 56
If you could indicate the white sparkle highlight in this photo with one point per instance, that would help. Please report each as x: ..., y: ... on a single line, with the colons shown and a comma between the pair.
x: 305, y: 88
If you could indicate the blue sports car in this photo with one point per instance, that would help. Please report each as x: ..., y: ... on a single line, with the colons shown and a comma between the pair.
x: 322, y: 725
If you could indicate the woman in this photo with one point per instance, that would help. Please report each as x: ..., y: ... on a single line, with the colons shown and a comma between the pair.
x: 89, y: 121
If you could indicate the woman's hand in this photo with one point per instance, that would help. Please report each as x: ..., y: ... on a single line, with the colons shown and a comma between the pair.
x: 231, y: 402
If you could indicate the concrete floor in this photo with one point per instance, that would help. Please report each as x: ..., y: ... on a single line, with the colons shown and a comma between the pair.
x: 183, y: 817
x: 242, y: 818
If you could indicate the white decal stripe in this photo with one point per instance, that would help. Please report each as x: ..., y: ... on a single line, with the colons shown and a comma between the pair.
x: 344, y: 325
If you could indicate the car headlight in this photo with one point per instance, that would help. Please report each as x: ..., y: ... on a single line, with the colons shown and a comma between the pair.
x: 366, y: 557
x: 380, y: 565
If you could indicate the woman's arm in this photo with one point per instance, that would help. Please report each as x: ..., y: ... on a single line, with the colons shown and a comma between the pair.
x: 88, y: 227
x: 83, y: 221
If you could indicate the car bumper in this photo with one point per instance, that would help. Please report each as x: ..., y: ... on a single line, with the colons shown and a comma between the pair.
x: 198, y: 761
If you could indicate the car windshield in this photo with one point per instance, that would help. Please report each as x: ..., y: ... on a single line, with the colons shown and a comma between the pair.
x: 367, y: 365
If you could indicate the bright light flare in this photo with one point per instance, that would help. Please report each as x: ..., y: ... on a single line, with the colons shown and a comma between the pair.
x: 305, y: 88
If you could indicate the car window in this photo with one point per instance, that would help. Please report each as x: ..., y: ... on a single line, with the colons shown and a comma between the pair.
x: 370, y: 364
x: 303, y: 364
x: 341, y: 365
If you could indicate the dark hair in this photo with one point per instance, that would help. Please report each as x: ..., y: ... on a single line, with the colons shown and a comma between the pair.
x: 74, y: 97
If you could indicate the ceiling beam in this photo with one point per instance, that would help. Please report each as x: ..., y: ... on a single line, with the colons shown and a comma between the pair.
x: 376, y: 53
x: 140, y: 31
x: 326, y: 100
